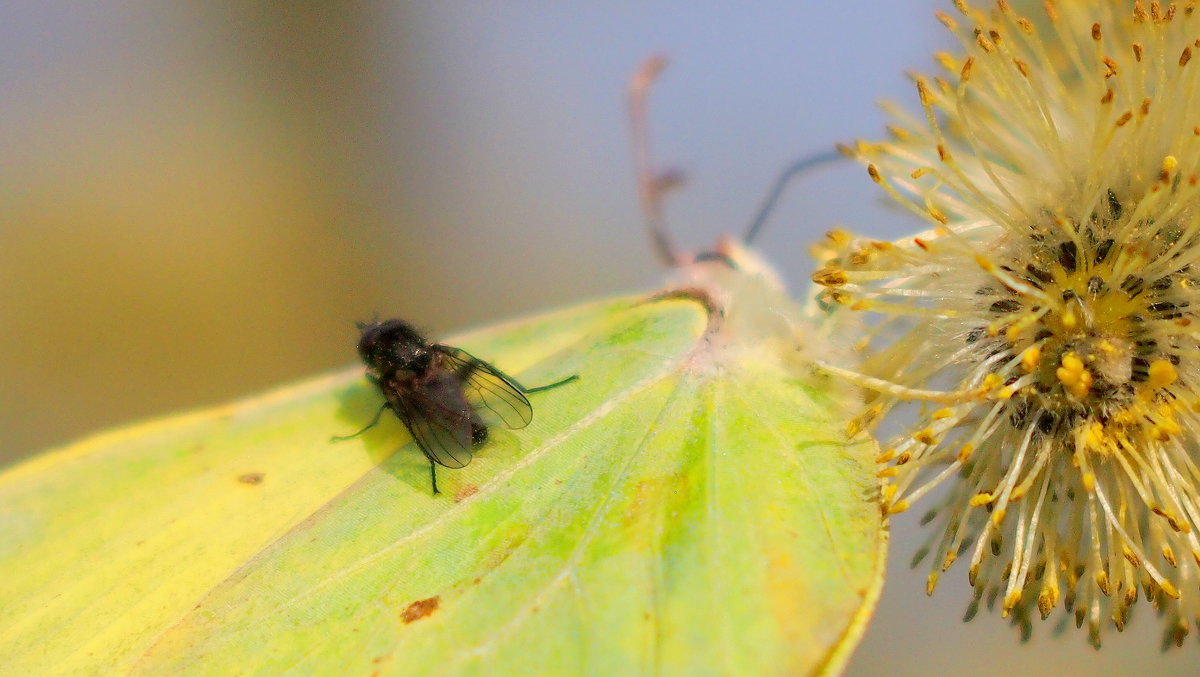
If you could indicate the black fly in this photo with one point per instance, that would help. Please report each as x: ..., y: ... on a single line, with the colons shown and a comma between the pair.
x: 440, y: 393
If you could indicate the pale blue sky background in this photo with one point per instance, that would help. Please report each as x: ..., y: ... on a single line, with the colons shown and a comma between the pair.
x: 197, y: 200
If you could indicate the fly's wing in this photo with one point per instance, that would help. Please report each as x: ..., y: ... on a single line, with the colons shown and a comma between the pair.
x: 487, y: 389
x: 440, y: 421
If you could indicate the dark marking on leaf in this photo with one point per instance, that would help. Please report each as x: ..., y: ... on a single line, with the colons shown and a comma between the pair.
x: 251, y: 478
x: 465, y: 492
x: 420, y: 609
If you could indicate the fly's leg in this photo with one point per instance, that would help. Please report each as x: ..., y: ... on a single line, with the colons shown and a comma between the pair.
x: 433, y: 477
x: 372, y: 424
x: 548, y: 386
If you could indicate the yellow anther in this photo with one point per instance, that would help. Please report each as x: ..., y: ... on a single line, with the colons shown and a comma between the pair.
x: 965, y: 452
x: 839, y: 236
x: 853, y: 427
x: 948, y: 561
x: 1047, y: 600
x: 1010, y: 601
x: 1029, y: 358
x: 1074, y: 377
x: 1169, y: 555
x: 1095, y: 437
x: 1169, y: 588
x: 923, y: 91
x: 946, y: 60
x: 990, y: 382
x: 1131, y: 556
x: 1089, y: 482
x: 998, y: 516
x: 830, y: 277
x: 1161, y: 374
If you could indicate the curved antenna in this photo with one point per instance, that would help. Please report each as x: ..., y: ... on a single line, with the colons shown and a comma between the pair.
x: 796, y: 169
x: 652, y: 184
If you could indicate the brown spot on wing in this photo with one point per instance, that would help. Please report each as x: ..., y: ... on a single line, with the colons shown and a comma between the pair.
x: 251, y: 478
x: 420, y: 609
x: 468, y: 490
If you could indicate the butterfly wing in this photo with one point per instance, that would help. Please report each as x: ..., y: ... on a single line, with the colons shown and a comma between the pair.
x: 487, y: 389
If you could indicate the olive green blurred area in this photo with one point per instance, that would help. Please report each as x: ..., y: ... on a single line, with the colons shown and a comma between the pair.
x: 175, y: 229
x: 198, y: 200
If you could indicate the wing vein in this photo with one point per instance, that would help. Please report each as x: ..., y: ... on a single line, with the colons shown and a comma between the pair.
x: 820, y: 508
x: 583, y: 423
x: 552, y: 586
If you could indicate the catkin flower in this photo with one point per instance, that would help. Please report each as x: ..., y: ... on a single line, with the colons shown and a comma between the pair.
x: 1042, y: 331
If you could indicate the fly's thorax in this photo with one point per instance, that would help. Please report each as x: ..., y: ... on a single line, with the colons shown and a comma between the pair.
x: 394, y: 349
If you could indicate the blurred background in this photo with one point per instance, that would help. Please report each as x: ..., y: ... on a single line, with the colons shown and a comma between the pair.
x: 197, y: 200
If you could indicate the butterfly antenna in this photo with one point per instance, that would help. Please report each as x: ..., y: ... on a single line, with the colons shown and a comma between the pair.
x: 798, y: 168
x: 653, y: 184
